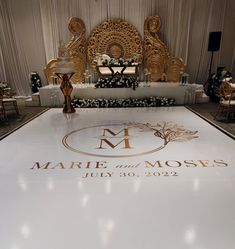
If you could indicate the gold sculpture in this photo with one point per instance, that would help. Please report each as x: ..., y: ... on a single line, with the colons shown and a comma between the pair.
x: 174, y: 69
x: 116, y: 38
x: 76, y: 49
x: 157, y: 61
x: 155, y: 51
x: 49, y: 71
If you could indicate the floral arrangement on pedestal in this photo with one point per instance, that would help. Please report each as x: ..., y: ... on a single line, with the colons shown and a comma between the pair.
x: 131, y: 102
x: 211, y: 87
x: 35, y: 81
x: 105, y: 60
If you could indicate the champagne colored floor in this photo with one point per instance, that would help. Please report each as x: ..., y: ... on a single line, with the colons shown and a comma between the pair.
x: 128, y: 178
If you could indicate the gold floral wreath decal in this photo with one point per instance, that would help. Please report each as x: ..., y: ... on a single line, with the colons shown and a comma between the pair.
x: 168, y: 131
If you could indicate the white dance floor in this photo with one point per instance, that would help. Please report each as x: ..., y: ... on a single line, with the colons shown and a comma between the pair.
x: 117, y: 179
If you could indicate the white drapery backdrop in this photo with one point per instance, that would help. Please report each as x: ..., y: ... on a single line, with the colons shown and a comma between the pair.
x: 31, y: 31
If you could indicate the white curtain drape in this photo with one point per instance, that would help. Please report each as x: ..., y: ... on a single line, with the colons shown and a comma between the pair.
x: 31, y: 31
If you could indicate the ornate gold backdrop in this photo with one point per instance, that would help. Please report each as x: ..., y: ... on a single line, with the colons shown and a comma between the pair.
x: 119, y: 39
x: 157, y: 61
x: 76, y: 49
x: 116, y: 38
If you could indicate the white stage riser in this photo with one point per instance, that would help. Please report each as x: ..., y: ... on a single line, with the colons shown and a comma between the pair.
x: 51, y: 95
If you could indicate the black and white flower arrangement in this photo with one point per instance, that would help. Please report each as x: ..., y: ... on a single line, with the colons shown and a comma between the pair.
x: 118, y: 79
x: 120, y: 103
x: 35, y: 81
x: 211, y: 87
x: 107, y: 61
x: 117, y: 82
x: 3, y: 85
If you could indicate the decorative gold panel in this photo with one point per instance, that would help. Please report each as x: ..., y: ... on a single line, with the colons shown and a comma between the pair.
x: 77, y: 45
x: 116, y: 38
x: 174, y: 69
x: 157, y: 61
x: 76, y: 49
x: 49, y: 71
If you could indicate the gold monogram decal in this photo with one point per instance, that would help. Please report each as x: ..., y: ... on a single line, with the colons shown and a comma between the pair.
x: 126, y: 140
x: 105, y: 139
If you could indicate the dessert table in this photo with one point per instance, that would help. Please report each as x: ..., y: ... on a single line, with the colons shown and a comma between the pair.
x: 51, y: 95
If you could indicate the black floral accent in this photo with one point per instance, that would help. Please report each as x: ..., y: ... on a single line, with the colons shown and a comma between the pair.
x: 120, y: 103
x: 35, y: 80
x: 117, y: 82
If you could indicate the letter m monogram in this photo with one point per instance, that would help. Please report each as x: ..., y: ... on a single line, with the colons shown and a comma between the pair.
x: 105, y: 140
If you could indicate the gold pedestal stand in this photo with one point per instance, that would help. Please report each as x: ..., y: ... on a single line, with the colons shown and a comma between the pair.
x: 66, y: 88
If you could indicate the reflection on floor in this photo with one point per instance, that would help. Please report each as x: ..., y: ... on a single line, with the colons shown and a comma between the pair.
x: 117, y: 178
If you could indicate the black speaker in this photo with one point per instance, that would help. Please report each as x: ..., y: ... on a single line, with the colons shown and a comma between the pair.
x: 214, y: 41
